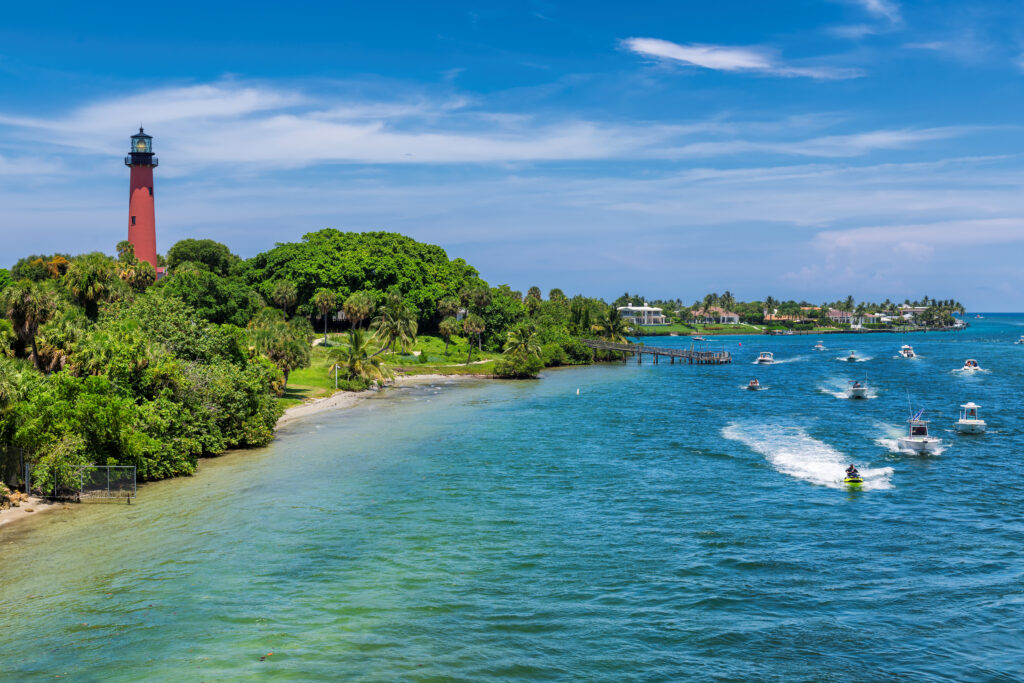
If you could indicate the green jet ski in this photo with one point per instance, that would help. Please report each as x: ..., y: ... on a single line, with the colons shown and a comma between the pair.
x: 853, y: 478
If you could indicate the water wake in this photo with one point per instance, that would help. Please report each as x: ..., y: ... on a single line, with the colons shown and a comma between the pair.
x: 890, y: 441
x: 792, y: 451
x: 841, y: 389
x: 858, y: 359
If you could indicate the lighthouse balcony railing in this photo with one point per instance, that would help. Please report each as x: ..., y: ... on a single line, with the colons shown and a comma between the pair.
x: 133, y: 160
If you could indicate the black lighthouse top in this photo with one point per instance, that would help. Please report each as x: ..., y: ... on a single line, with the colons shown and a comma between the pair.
x: 141, y: 151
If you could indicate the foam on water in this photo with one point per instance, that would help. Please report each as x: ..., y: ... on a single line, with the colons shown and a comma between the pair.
x: 841, y: 389
x: 890, y: 441
x: 860, y: 359
x: 792, y: 451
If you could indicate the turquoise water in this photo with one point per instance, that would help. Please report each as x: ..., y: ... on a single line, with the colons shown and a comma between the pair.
x: 664, y: 524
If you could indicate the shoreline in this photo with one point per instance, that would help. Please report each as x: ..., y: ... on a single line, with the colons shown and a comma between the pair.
x: 340, y: 400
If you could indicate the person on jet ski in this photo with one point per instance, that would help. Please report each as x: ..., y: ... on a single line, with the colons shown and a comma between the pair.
x: 851, y: 471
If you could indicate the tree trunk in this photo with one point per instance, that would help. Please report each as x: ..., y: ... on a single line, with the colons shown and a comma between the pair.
x: 35, y: 355
x: 446, y: 340
x: 325, y: 329
x: 286, y: 373
x: 479, y: 344
x: 469, y: 355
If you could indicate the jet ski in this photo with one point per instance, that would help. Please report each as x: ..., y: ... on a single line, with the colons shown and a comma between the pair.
x: 853, y: 480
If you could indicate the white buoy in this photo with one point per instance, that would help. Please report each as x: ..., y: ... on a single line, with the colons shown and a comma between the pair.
x: 577, y: 391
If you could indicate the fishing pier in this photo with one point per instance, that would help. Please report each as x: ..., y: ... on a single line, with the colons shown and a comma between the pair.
x: 690, y: 355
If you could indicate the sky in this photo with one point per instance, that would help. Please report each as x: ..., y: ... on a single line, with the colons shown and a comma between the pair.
x: 803, y: 149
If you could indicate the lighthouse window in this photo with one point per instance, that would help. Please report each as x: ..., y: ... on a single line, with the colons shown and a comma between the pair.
x: 133, y: 220
x: 150, y: 191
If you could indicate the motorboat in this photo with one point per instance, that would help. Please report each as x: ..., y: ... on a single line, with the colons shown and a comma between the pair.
x: 970, y: 421
x: 907, y: 351
x: 765, y: 358
x: 971, y: 365
x: 754, y: 385
x: 852, y: 358
x: 1020, y: 341
x: 917, y: 438
x: 858, y: 389
x: 821, y: 347
x: 697, y: 337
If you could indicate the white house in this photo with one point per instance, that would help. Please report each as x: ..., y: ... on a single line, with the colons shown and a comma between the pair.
x: 643, y: 315
x: 842, y: 317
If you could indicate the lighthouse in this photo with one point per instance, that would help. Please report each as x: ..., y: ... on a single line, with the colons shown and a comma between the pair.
x: 141, y: 214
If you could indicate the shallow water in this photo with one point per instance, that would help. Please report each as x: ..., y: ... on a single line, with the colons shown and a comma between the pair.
x: 663, y: 524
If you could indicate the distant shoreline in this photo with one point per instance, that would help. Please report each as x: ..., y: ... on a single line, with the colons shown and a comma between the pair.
x: 787, y: 333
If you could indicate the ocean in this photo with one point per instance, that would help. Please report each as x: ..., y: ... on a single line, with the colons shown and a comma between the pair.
x: 662, y: 524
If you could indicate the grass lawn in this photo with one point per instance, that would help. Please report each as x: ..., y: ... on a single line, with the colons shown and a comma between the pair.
x: 679, y: 328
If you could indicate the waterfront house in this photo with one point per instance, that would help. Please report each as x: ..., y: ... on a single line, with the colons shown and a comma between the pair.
x: 643, y: 315
x: 716, y: 314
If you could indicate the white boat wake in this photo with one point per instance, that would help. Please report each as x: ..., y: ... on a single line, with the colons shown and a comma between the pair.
x: 841, y: 389
x: 890, y: 441
x: 792, y: 451
x: 858, y: 359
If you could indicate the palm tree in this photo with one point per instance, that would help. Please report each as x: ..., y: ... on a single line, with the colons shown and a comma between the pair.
x: 285, y: 344
x: 728, y: 301
x: 136, y: 274
x: 285, y: 294
x: 89, y: 278
x: 358, y: 307
x: 357, y: 359
x: 848, y: 305
x: 473, y: 324
x: 709, y: 301
x: 396, y: 322
x: 7, y: 338
x: 522, y: 342
x: 612, y: 327
x: 478, y: 298
x: 29, y: 305
x: 58, y: 339
x: 447, y: 328
x: 126, y: 252
x: 448, y: 306
x: 325, y: 302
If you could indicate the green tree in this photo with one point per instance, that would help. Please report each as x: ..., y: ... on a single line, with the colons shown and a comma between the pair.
x: 396, y: 322
x: 447, y: 328
x: 611, y: 326
x: 358, y: 307
x: 90, y: 279
x: 28, y: 305
x: 285, y: 295
x: 211, y: 255
x: 285, y: 344
x: 473, y: 324
x: 358, y: 359
x: 448, y: 306
x: 325, y: 302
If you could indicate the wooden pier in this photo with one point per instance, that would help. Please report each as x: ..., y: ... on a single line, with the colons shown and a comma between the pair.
x: 691, y: 356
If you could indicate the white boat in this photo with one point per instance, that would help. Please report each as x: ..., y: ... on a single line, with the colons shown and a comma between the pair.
x: 1020, y: 341
x: 971, y: 365
x: 754, y: 385
x: 852, y: 357
x: 917, y: 438
x: 697, y: 337
x: 765, y: 358
x: 970, y: 421
x: 858, y: 389
x: 821, y: 347
x: 907, y: 351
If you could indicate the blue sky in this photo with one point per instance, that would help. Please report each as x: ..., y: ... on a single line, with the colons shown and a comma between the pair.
x: 804, y: 149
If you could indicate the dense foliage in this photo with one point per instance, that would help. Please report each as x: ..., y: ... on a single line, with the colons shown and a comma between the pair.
x: 375, y: 262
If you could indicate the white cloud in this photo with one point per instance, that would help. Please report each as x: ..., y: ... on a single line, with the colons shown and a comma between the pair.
x: 732, y: 59
x: 258, y: 127
x: 884, y: 9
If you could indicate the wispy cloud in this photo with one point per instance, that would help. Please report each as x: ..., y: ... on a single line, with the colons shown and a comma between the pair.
x: 732, y: 59
x: 883, y: 9
x: 261, y: 127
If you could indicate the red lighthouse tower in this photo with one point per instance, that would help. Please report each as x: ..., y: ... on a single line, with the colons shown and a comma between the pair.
x: 141, y: 214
